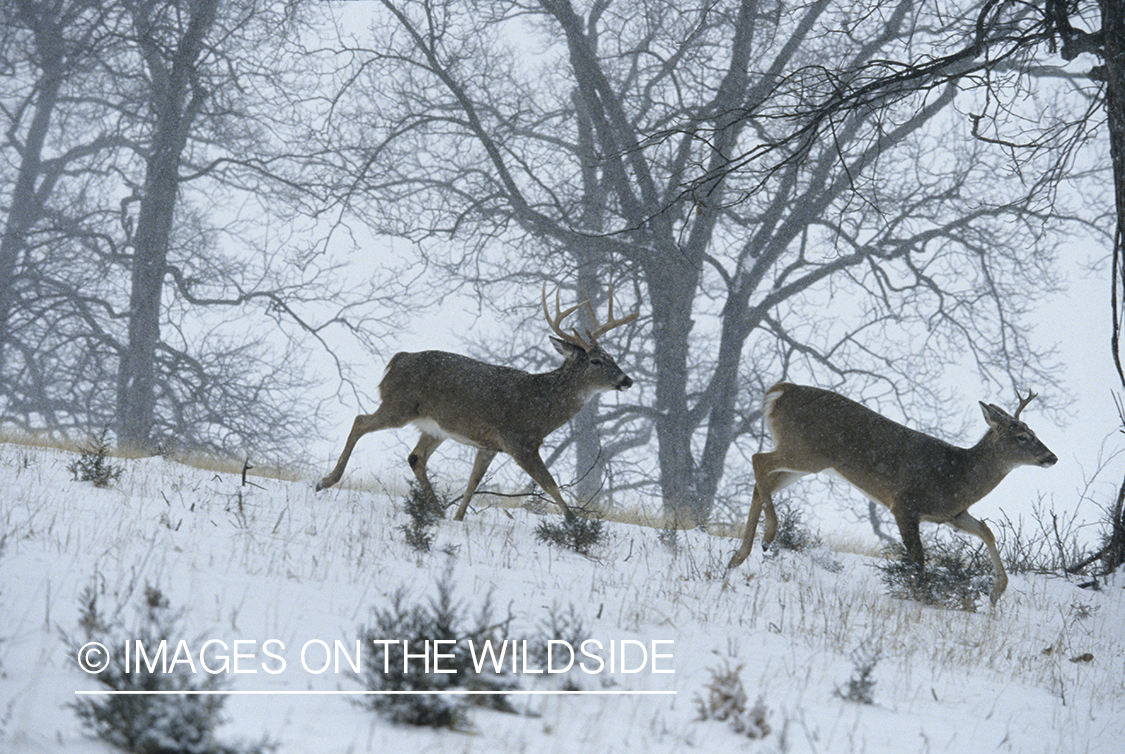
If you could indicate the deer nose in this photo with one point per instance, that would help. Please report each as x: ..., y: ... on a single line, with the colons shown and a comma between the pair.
x: 1048, y: 460
x: 624, y: 383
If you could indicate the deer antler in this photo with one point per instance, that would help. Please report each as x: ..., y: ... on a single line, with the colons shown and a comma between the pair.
x: 610, y: 323
x: 1024, y: 401
x: 572, y: 337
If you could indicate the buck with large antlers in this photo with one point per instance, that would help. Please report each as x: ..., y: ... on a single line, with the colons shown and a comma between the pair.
x: 920, y: 478
x: 492, y: 408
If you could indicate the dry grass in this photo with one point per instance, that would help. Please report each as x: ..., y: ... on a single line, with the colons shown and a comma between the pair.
x: 40, y: 439
x: 195, y: 459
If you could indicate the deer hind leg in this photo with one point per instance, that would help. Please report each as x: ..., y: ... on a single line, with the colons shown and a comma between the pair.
x: 749, y: 530
x: 418, y: 458
x: 770, y: 475
x: 480, y: 465
x: 363, y: 424
x: 778, y: 481
x: 976, y: 527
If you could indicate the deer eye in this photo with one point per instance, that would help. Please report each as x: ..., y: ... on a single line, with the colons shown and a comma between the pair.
x: 596, y: 361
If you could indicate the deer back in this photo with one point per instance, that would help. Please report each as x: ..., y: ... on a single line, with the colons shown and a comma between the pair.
x: 488, y: 405
x: 892, y: 463
x: 825, y: 430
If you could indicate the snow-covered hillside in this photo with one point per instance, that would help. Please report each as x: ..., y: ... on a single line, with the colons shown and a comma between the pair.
x: 278, y: 562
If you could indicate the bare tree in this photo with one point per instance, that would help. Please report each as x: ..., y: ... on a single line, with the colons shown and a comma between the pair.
x: 153, y: 275
x: 1113, y: 31
x: 46, y: 48
x: 173, y: 44
x: 676, y: 148
x: 1080, y: 28
x: 1007, y: 49
x: 58, y: 148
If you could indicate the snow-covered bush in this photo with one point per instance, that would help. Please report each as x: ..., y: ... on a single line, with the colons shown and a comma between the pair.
x: 576, y: 533
x: 860, y: 688
x: 954, y: 576
x: 561, y: 626
x: 424, y: 511
x: 92, y: 464
x: 417, y: 628
x: 148, y: 723
x: 792, y: 532
x: 726, y: 701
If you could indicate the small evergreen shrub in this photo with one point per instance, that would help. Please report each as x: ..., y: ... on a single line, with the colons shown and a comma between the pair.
x: 792, y: 532
x: 148, y: 724
x: 559, y: 625
x: 669, y: 538
x: 442, y: 618
x: 425, y: 512
x: 827, y: 561
x: 92, y: 464
x: 953, y: 577
x: 579, y: 534
x: 860, y: 687
x: 726, y: 701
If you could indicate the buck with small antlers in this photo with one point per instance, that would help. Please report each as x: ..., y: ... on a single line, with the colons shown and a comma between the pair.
x: 492, y: 408
x: 920, y: 478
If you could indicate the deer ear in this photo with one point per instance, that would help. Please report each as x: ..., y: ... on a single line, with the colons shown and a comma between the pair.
x: 996, y: 417
x: 569, y: 350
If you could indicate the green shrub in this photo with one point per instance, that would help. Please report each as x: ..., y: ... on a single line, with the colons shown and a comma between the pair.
x: 149, y: 723
x: 92, y: 464
x: 954, y: 576
x: 579, y: 534
x: 425, y: 511
x: 860, y: 687
x: 444, y: 619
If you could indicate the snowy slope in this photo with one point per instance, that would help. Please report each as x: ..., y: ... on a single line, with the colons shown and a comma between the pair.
x: 279, y: 562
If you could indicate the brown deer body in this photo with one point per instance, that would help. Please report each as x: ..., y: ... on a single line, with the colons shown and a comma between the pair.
x: 492, y: 408
x: 918, y: 477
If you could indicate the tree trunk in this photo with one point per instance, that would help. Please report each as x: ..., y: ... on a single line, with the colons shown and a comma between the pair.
x: 176, y: 99
x: 136, y: 397
x: 672, y: 282
x: 26, y: 206
x: 1113, y: 29
x: 589, y: 461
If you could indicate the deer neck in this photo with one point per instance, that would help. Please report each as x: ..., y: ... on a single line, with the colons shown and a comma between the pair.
x: 983, y: 468
x: 561, y: 394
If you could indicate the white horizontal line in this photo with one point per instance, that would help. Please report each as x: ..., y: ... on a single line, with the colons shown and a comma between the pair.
x: 431, y: 692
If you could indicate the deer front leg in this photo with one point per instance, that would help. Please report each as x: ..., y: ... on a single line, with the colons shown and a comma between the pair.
x: 529, y: 460
x: 908, y: 523
x: 767, y: 480
x: 480, y: 465
x: 976, y: 527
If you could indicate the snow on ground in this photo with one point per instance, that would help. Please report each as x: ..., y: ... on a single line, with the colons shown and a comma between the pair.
x: 280, y: 562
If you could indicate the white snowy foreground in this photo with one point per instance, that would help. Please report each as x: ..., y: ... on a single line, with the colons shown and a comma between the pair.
x: 276, y: 573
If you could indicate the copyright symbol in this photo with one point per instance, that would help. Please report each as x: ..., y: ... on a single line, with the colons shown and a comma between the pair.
x: 93, y: 657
